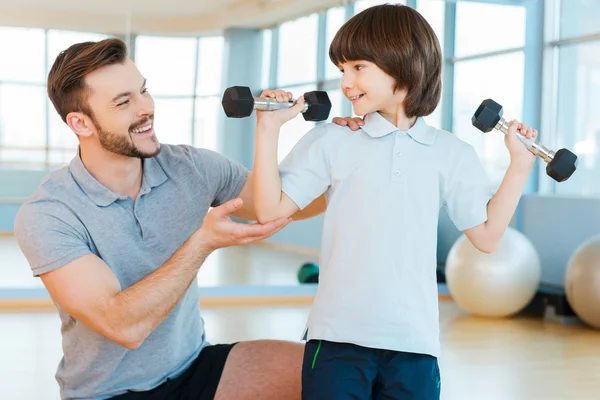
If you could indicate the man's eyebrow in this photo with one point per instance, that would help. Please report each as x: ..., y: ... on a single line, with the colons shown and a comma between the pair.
x: 124, y: 94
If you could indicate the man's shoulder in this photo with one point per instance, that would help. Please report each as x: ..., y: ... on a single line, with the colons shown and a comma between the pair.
x: 54, y: 185
x: 52, y: 201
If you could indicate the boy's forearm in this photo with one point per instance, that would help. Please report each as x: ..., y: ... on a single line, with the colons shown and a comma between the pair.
x: 503, y: 205
x: 266, y: 180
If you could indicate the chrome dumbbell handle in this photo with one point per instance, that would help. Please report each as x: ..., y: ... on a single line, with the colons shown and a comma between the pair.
x: 532, y: 145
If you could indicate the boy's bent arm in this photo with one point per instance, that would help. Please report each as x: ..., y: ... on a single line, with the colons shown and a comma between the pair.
x: 502, y: 206
x: 501, y: 209
x: 248, y: 211
x: 269, y: 200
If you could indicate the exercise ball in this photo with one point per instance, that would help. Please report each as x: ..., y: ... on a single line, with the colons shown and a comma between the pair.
x: 498, y: 284
x: 308, y: 273
x: 582, y: 282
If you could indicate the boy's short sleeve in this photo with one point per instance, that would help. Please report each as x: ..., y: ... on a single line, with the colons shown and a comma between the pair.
x: 47, y: 238
x: 467, y: 191
x: 304, y: 171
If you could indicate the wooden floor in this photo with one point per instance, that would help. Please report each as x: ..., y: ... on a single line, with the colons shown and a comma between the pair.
x: 482, y: 359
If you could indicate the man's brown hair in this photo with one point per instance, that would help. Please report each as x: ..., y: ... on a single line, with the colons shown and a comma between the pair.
x: 399, y: 41
x: 66, y: 81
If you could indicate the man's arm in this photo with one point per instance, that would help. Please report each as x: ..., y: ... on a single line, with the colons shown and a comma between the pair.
x: 247, y: 212
x: 91, y: 293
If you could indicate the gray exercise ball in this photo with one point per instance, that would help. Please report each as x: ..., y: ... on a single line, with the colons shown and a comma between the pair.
x: 582, y: 282
x: 498, y: 284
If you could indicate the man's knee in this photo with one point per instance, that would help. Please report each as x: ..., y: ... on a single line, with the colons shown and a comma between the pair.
x: 265, y: 369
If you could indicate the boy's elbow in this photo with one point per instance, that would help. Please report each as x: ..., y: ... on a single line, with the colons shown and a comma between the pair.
x: 486, y: 245
x: 262, y: 216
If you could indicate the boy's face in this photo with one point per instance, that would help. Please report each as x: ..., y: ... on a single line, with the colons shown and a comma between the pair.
x: 369, y: 88
x: 123, y: 111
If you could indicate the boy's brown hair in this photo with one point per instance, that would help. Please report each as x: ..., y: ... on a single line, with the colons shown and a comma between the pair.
x: 66, y: 81
x: 399, y: 41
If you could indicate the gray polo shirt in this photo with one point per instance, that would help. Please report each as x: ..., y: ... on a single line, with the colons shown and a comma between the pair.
x: 72, y: 215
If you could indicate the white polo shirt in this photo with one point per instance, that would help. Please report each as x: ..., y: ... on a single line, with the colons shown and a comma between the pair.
x: 384, y: 189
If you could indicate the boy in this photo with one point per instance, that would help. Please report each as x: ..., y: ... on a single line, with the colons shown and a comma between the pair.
x: 373, y: 328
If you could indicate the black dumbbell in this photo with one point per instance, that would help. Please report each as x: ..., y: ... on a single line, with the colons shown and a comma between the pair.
x: 561, y: 164
x: 238, y: 102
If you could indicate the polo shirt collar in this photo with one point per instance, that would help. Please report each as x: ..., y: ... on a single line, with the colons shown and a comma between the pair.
x: 154, y: 176
x: 377, y: 126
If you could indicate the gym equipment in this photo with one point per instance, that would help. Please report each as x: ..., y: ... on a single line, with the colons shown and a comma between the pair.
x: 238, y: 102
x: 561, y: 164
x: 308, y: 273
x: 498, y: 284
x: 582, y: 282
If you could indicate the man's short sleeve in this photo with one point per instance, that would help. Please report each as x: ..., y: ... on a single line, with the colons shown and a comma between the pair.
x: 225, y: 178
x: 305, y: 170
x: 467, y: 192
x: 47, y: 238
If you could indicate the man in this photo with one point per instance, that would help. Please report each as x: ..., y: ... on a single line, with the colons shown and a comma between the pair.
x: 118, y: 236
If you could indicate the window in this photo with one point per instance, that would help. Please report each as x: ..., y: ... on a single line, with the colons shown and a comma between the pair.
x: 480, y: 30
x: 335, y: 20
x: 173, y: 120
x: 184, y: 78
x: 361, y: 5
x: 266, y: 58
x: 61, y: 40
x: 22, y: 132
x: 22, y: 96
x: 297, y: 61
x: 293, y: 130
x: 433, y: 11
x: 167, y: 63
x: 483, y: 27
x: 470, y: 89
x: 579, y: 18
x: 208, y: 113
x: 210, y: 53
x: 62, y: 141
x: 18, y: 65
x: 577, y: 118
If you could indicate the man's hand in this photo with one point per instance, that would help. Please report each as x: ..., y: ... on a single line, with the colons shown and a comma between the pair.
x: 352, y: 123
x: 218, y: 230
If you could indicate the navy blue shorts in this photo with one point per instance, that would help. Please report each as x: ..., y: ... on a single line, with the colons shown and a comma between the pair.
x: 340, y: 371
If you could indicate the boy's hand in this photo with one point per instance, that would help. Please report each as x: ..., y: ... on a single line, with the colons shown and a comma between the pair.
x: 519, y: 154
x: 277, y: 118
x: 352, y: 123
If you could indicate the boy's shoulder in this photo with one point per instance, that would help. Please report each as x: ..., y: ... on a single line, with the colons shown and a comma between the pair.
x: 451, y: 146
x: 333, y: 130
x: 327, y: 133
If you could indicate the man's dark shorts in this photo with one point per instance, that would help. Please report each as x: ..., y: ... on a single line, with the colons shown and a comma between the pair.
x: 198, y: 382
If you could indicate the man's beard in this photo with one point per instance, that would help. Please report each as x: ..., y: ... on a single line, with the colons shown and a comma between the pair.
x: 123, y: 145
